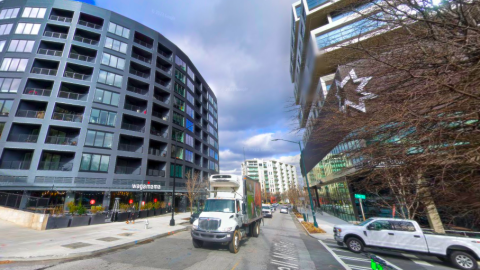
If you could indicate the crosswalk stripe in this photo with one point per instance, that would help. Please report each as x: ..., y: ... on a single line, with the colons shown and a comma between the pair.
x: 344, y: 250
x: 421, y: 262
x: 285, y: 263
x: 285, y: 258
x: 281, y: 264
x: 335, y: 256
x: 354, y: 259
x: 359, y: 267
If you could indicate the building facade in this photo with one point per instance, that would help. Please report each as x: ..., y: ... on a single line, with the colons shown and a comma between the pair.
x: 274, y: 176
x: 96, y: 106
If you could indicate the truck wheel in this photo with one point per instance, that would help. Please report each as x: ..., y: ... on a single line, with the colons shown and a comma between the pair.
x: 463, y: 260
x: 256, y: 229
x: 355, y: 245
x: 234, y: 244
x: 197, y: 243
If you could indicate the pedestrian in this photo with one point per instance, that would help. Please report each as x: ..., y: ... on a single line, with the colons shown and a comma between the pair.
x: 131, y: 216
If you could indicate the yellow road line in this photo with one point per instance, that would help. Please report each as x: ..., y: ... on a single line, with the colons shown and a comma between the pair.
x: 235, y: 266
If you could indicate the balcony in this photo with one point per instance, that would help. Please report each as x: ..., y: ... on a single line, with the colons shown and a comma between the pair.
x: 127, y: 170
x: 55, y: 34
x: 90, y: 21
x: 133, y: 127
x: 15, y: 165
x: 160, y: 112
x: 71, y: 95
x: 139, y: 70
x: 73, y: 91
x: 128, y: 165
x: 141, y: 55
x: 89, y: 24
x: 56, y: 161
x: 156, y: 168
x: 67, y: 112
x: 77, y: 76
x: 16, y: 159
x: 61, y: 15
x: 141, y: 58
x: 130, y: 144
x: 157, y: 152
x: 164, y: 52
x: 49, y: 52
x: 61, y: 140
x: 86, y: 37
x: 133, y: 123
x: 29, y: 138
x: 163, y: 83
x: 155, y: 172
x: 85, y: 40
x: 62, y: 135
x: 162, y: 79
x: 60, y: 19
x: 137, y: 86
x: 30, y: 114
x: 37, y: 92
x: 27, y: 133
x: 67, y: 117
x: 143, y: 40
x: 55, y: 166
x: 135, y: 105
x: 78, y: 72
x: 44, y: 71
x: 81, y: 57
x: 129, y: 148
x: 159, y: 129
x: 163, y: 65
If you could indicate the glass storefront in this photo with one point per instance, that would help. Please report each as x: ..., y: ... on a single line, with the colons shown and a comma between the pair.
x: 336, y: 200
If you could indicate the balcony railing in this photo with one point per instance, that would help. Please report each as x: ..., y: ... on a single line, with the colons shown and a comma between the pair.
x: 37, y: 92
x: 166, y: 84
x: 157, y: 152
x: 90, y: 25
x: 159, y: 115
x: 71, y: 95
x: 55, y: 35
x: 15, y: 165
x: 161, y: 99
x: 23, y: 138
x: 137, y: 90
x: 30, y: 114
x: 61, y: 140
x: 143, y: 43
x: 78, y: 76
x: 133, y: 108
x: 165, y: 69
x: 55, y: 166
x: 139, y: 73
x: 67, y: 117
x: 154, y: 172
x: 127, y: 170
x: 165, y: 55
x: 141, y: 58
x: 60, y: 18
x: 133, y: 127
x: 130, y: 148
x: 81, y: 57
x: 44, y: 71
x: 158, y: 133
x: 85, y: 40
x: 50, y: 52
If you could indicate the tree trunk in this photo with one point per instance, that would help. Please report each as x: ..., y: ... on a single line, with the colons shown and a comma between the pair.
x: 432, y: 213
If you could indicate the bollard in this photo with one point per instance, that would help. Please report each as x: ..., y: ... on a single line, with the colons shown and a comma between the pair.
x: 304, y: 217
x: 146, y: 224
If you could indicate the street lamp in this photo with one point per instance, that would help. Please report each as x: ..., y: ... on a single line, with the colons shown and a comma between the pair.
x: 306, y: 178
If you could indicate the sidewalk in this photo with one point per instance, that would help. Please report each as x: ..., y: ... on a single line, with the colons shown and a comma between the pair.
x: 326, y: 222
x: 23, y: 244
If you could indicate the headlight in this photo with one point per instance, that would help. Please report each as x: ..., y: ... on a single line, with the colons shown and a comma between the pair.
x: 226, y: 229
x: 195, y: 227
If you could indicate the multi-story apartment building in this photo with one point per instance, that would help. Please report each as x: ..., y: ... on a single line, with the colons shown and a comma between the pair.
x: 274, y: 176
x: 94, y: 105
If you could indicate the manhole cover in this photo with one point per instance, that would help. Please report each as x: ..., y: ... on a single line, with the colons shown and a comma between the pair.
x: 108, y: 239
x: 77, y: 245
x: 125, y: 234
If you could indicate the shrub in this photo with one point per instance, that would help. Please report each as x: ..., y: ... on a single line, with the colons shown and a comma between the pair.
x: 100, y: 208
x: 124, y: 207
x: 149, y: 206
x: 72, y: 208
x: 156, y: 205
x: 93, y: 210
x: 81, y: 210
x: 163, y: 204
x: 311, y: 228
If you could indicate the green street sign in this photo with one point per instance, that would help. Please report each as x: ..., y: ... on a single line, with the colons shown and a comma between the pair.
x: 360, y: 196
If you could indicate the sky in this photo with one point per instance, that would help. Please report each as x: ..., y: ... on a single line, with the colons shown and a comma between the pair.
x: 242, y: 50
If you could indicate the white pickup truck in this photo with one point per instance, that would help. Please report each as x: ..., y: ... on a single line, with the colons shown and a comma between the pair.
x: 406, y: 235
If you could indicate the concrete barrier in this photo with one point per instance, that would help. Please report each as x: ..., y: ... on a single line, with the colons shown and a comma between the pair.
x: 25, y: 219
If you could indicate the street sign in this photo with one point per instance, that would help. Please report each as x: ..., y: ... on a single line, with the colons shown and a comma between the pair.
x: 360, y: 196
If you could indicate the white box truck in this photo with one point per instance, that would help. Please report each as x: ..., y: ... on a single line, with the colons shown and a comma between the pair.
x: 232, y: 213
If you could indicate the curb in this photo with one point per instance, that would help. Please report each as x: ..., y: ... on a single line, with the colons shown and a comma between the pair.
x: 309, y: 234
x: 95, y: 252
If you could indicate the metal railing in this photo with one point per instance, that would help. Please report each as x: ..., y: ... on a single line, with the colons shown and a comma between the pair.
x: 60, y: 18
x: 166, y: 84
x: 23, y: 138
x: 30, y: 114
x: 50, y: 52
x: 127, y: 170
x: 55, y: 35
x: 55, y: 166
x: 44, y: 71
x: 78, y: 76
x: 153, y: 172
x: 165, y: 55
x: 130, y: 148
x: 61, y: 140
x: 159, y: 133
x: 139, y: 73
x: 90, y: 25
x: 143, y: 43
x: 85, y: 40
x: 159, y: 115
x: 80, y: 57
x: 72, y: 95
x: 137, y: 90
x: 141, y: 58
x: 67, y: 117
x: 33, y: 204
x: 15, y: 165
x: 133, y: 127
x: 157, y: 152
x: 165, y: 69
x: 37, y: 92
x: 134, y: 108
x: 160, y: 98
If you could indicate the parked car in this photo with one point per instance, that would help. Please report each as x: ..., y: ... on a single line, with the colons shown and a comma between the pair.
x: 284, y: 210
x: 406, y: 235
x: 267, y: 211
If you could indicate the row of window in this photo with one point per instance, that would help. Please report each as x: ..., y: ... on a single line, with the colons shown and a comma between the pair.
x: 28, y: 12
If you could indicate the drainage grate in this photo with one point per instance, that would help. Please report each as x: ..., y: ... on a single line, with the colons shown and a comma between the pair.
x: 77, y: 245
x: 109, y: 239
x: 126, y: 234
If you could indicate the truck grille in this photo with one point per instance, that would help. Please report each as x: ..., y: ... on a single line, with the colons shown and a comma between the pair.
x: 209, y: 224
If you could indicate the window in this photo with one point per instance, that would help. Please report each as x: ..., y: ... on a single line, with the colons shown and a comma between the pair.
x: 178, y: 119
x: 210, y: 118
x: 9, y: 85
x: 190, y: 112
x: 189, y: 140
x: 2, y: 45
x: 116, y: 45
x: 110, y: 78
x: 106, y: 97
x: 5, y: 107
x: 381, y: 225
x: 113, y: 61
x: 9, y: 13
x: 211, y: 153
x: 216, y: 155
x: 28, y: 28
x: 20, y: 45
x: 190, y: 98
x: 177, y: 152
x: 103, y: 117
x: 14, y: 64
x: 180, y: 63
x: 211, y: 165
x: 119, y: 30
x: 180, y: 76
x: 179, y: 104
x: 177, y: 135
x: 99, y: 139
x: 5, y: 29
x: 175, y: 170
x: 2, y: 125
x: 189, y: 125
x: 190, y: 73
x: 189, y: 172
x: 29, y: 12
x: 94, y: 163
x: 179, y: 89
x: 403, y: 226
x: 190, y: 85
x: 188, y: 156
x: 216, y: 167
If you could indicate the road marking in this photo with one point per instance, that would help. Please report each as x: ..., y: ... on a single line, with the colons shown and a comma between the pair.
x: 235, y: 266
x: 343, y: 250
x: 389, y: 263
x: 355, y: 267
x: 354, y: 259
x: 284, y: 264
x: 335, y: 256
x: 285, y: 258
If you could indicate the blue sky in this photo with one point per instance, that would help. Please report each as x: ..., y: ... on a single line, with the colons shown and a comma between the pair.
x: 242, y: 49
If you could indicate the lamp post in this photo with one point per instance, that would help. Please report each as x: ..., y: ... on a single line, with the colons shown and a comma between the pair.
x: 306, y: 178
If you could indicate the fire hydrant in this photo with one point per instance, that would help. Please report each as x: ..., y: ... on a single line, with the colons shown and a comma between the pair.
x: 146, y: 224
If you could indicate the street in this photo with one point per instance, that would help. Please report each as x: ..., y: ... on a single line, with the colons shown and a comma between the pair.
x: 282, y: 244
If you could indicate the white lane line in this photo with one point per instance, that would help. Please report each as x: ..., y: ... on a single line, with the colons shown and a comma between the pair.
x: 285, y: 258
x: 354, y: 259
x: 409, y: 255
x: 421, y: 262
x: 284, y: 263
x: 389, y: 263
x: 335, y: 256
x: 344, y: 250
x: 359, y: 267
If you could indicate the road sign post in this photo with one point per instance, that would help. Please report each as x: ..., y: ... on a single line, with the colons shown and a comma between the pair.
x: 361, y: 197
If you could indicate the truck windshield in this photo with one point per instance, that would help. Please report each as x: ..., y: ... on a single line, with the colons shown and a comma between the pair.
x: 365, y: 222
x: 225, y: 206
x: 266, y: 207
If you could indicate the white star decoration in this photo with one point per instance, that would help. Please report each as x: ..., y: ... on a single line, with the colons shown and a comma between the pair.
x: 360, y: 89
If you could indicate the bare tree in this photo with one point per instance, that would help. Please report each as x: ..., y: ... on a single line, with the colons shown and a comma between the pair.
x: 194, y: 186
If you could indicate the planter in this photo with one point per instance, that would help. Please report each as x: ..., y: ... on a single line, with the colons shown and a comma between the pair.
x: 78, y: 221
x: 163, y: 211
x: 143, y: 214
x: 151, y: 212
x: 97, y: 219
x: 121, y: 217
x: 57, y: 222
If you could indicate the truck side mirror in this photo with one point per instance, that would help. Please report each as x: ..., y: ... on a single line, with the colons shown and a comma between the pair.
x: 371, y: 227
